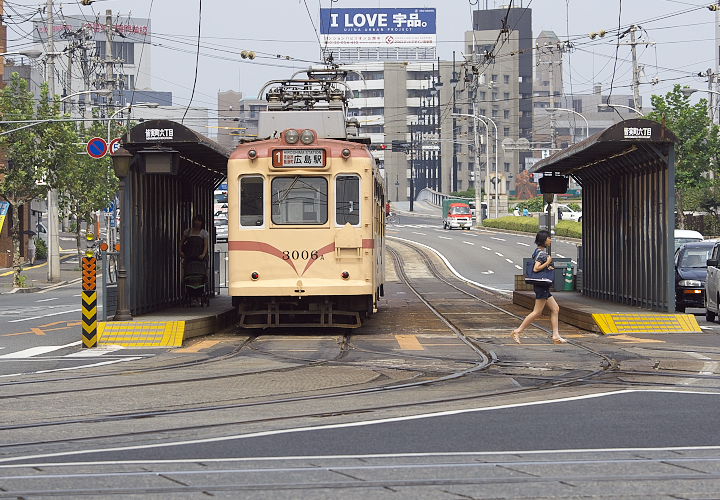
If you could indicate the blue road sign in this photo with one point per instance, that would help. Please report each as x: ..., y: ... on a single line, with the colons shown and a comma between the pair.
x: 97, y: 147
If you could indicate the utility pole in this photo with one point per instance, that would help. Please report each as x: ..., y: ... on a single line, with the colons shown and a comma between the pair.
x: 636, y: 68
x: 109, y: 62
x: 53, y: 274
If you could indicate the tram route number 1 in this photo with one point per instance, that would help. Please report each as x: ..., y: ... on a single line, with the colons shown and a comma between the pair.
x: 302, y: 255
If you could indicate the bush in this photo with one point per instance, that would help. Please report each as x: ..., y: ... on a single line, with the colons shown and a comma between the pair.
x: 40, y: 249
x: 533, y: 205
x: 470, y: 193
x: 569, y: 228
x: 514, y: 223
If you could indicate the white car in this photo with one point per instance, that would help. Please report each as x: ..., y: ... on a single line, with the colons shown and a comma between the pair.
x: 567, y: 213
x: 683, y: 236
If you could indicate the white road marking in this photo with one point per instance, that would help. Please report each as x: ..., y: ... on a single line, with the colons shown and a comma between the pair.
x: 421, y: 234
x: 521, y: 243
x: 499, y: 254
x: 518, y: 267
x: 494, y: 238
x: 45, y: 315
x: 444, y: 238
x: 373, y: 422
x: 509, y: 260
x: 79, y: 367
x: 560, y: 255
x: 97, y: 351
x: 48, y: 300
x: 36, y: 351
x: 468, y: 243
x: 489, y: 271
x: 708, y: 368
x: 486, y: 248
x: 574, y: 262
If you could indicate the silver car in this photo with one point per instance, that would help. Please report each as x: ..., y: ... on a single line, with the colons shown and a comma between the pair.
x: 221, y: 228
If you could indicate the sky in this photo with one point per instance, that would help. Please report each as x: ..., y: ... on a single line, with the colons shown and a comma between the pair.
x: 282, y: 33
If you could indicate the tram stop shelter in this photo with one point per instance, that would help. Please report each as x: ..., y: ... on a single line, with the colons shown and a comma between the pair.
x: 627, y: 174
x: 173, y: 174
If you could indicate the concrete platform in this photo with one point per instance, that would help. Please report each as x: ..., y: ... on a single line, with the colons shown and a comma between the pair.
x: 605, y: 317
x: 170, y: 327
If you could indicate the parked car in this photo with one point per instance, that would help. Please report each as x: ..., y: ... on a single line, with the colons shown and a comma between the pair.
x: 691, y: 273
x: 221, y: 228
x: 564, y: 212
x: 683, y: 236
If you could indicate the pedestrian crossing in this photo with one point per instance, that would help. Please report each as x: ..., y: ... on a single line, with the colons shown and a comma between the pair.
x: 70, y: 351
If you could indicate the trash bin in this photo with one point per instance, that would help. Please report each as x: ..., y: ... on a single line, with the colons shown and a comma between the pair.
x: 560, y: 264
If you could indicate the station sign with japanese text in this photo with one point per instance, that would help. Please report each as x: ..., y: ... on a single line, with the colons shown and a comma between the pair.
x: 372, y: 27
x: 637, y: 132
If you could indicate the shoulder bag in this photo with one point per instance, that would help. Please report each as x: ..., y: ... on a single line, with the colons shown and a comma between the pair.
x: 544, y: 277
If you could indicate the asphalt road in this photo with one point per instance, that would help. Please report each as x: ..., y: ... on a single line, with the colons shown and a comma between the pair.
x: 488, y: 257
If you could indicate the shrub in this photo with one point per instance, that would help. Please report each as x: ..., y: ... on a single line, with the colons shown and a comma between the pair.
x: 533, y: 205
x: 525, y: 224
x: 569, y: 228
x: 40, y: 249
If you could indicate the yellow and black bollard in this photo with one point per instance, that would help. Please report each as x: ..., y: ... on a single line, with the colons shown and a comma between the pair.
x: 89, y: 302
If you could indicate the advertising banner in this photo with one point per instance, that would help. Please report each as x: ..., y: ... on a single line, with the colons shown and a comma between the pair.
x: 378, y: 27
x: 4, y: 205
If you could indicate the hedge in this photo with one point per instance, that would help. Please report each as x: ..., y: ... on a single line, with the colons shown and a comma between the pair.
x: 568, y: 228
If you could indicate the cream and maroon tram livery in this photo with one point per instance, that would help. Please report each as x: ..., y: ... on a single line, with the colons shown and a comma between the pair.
x: 306, y: 231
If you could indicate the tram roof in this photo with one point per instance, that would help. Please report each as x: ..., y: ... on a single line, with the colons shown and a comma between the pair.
x: 629, y: 142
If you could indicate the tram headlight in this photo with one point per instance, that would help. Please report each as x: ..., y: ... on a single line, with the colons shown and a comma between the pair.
x: 345, y: 153
x: 252, y: 154
x: 307, y: 137
x: 345, y: 275
x: 292, y: 136
x: 255, y: 276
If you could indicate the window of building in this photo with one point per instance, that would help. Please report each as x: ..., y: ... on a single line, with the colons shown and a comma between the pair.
x: 494, y: 113
x: 506, y: 96
x: 506, y: 113
x: 546, y: 83
x: 494, y: 96
x: 493, y: 78
x: 347, y: 200
x: 507, y: 167
x: 372, y: 129
x: 482, y: 95
x: 506, y: 131
x: 299, y: 200
x: 121, y: 50
x: 506, y: 79
x: 251, y: 201
x: 577, y: 105
x: 482, y: 111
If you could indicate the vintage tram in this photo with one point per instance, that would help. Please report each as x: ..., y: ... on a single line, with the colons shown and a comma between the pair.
x: 306, y: 213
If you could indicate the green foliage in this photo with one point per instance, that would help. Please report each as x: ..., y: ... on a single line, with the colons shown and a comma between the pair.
x: 533, y: 204
x: 569, y: 228
x: 470, y: 193
x: 698, y: 148
x: 575, y: 206
x: 41, y: 249
x: 514, y: 223
x: 21, y: 281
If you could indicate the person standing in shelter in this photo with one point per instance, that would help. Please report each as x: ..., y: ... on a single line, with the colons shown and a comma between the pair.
x: 195, y: 241
x: 543, y: 296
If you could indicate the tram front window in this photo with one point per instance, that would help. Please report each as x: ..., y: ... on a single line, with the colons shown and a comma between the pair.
x: 251, y: 201
x: 347, y: 200
x: 299, y: 200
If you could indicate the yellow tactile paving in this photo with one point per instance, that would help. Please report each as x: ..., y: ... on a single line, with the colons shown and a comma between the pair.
x: 647, y: 323
x: 141, y: 333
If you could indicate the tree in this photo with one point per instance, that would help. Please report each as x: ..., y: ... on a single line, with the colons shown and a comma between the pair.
x: 697, y: 150
x: 32, y: 154
x: 86, y: 184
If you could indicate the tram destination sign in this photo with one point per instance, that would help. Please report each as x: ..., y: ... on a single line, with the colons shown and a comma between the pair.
x: 298, y: 158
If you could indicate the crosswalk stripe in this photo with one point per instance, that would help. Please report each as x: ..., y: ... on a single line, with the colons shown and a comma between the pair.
x: 36, y: 351
x: 91, y: 353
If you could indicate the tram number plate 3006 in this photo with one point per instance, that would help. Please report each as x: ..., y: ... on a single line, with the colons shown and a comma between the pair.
x: 298, y: 158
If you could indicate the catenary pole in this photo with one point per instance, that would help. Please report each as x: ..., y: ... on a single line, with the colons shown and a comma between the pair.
x: 53, y: 274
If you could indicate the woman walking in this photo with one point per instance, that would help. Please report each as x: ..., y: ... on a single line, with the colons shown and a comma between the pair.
x: 542, y: 261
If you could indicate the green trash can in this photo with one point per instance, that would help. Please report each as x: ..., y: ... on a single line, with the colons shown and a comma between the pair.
x: 568, y: 278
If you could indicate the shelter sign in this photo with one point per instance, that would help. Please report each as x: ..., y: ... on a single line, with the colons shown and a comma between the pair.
x: 4, y: 206
x: 371, y: 27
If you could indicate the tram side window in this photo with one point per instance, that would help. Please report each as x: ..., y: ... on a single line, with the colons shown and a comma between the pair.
x: 347, y: 200
x: 299, y: 200
x: 251, y: 201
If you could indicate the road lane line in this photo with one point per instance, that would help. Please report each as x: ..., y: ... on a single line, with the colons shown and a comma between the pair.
x: 48, y: 300
x: 444, y: 238
x: 518, y: 267
x: 523, y: 244
x: 494, y: 238
x: 560, y: 255
x: 509, y: 260
x: 468, y: 243
x: 486, y: 248
x: 499, y: 254
x: 36, y: 351
x: 421, y: 234
x: 45, y: 316
x: 409, y: 343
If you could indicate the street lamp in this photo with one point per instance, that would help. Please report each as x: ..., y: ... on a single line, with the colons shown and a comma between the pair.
x: 121, y: 160
x: 32, y: 54
x: 129, y: 107
x: 478, y: 205
x: 603, y: 107
x: 688, y: 92
x: 587, y: 126
x: 83, y: 92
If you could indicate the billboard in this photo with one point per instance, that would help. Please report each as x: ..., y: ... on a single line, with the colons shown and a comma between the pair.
x: 126, y: 29
x: 378, y: 27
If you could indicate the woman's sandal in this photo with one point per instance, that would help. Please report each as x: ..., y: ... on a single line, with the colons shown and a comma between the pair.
x: 516, y: 337
x: 559, y: 340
